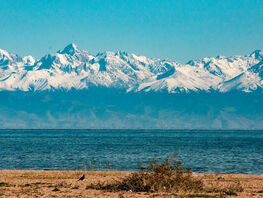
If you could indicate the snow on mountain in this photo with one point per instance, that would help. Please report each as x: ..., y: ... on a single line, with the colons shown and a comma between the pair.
x: 179, y: 80
x: 7, y: 58
x: 29, y: 60
x: 247, y: 81
x: 75, y: 68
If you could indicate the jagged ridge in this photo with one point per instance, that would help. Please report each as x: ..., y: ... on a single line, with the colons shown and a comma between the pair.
x: 75, y: 68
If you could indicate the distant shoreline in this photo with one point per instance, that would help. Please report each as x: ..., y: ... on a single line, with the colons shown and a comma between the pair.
x: 113, y: 171
x: 124, y: 129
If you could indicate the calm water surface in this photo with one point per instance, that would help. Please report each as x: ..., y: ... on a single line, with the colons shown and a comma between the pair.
x: 202, y: 151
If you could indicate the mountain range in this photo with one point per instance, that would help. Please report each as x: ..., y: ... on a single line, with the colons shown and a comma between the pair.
x: 73, y: 68
x: 75, y: 89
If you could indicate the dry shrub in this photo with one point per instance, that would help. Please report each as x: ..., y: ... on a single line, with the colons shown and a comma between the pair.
x: 166, y: 176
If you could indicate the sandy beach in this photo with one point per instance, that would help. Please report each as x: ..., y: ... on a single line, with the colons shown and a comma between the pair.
x: 29, y: 183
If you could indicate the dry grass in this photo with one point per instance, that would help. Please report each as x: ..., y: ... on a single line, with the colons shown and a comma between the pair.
x: 232, y: 187
x: 42, y: 184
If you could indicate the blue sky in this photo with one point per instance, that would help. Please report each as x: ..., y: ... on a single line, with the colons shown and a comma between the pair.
x: 177, y: 29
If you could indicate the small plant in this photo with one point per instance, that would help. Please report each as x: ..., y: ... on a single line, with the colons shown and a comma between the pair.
x: 55, y: 189
x: 89, y: 187
x: 261, y: 191
x: 231, y: 193
x: 4, y: 184
x: 75, y: 187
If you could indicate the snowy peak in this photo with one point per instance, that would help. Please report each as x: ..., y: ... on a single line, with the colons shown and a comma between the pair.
x: 7, y: 58
x: 75, y: 68
x: 121, y: 54
x: 70, y: 49
x: 257, y: 54
x: 29, y: 60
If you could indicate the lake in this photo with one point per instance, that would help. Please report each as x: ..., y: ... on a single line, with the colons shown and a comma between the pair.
x: 204, y: 151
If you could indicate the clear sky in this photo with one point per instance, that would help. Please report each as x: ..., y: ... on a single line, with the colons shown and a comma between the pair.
x: 177, y: 29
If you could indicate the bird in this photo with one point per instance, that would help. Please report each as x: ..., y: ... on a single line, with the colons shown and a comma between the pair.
x: 220, y: 178
x: 82, y: 178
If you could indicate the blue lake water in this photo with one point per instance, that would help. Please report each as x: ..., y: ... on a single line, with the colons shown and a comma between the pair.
x: 202, y: 151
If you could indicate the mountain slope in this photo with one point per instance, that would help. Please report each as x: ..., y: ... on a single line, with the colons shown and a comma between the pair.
x: 73, y: 68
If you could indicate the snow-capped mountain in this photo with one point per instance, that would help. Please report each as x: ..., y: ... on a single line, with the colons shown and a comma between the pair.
x: 75, y: 68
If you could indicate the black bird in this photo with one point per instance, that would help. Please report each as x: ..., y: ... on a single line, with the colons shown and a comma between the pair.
x: 220, y: 178
x: 82, y: 178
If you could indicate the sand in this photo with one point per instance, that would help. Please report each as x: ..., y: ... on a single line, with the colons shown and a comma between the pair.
x: 21, y: 183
